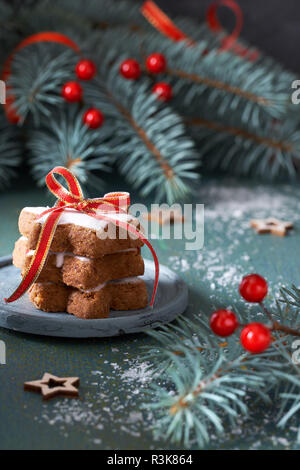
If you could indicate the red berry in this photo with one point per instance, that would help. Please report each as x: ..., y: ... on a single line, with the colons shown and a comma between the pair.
x: 130, y: 69
x: 86, y: 69
x: 93, y: 118
x: 253, y: 288
x: 256, y: 338
x: 223, y: 323
x: 163, y: 90
x: 72, y: 92
x: 156, y: 63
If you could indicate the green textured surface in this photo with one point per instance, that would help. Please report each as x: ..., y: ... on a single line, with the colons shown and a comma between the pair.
x: 113, y: 377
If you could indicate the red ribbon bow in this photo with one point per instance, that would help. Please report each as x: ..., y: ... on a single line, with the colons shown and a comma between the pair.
x: 73, y: 199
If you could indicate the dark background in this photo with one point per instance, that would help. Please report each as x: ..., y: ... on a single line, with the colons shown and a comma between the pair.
x: 272, y: 25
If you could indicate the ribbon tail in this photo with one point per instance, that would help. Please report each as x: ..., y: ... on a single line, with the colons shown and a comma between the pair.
x: 156, y: 271
x: 39, y: 257
x: 132, y: 229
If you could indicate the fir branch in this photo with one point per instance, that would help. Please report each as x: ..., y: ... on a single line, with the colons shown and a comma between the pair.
x: 229, y: 102
x: 253, y: 90
x: 238, y: 132
x: 201, y: 393
x: 10, y: 151
x: 195, y: 65
x: 153, y: 131
x: 276, y: 326
x: 220, y: 85
x: 67, y: 142
x: 151, y: 147
x: 246, y: 138
x: 204, y: 388
x: 38, y: 74
x: 290, y: 297
x: 273, y: 146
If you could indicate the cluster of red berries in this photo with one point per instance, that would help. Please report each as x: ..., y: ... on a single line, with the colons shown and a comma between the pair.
x: 73, y: 92
x: 155, y: 63
x: 254, y: 337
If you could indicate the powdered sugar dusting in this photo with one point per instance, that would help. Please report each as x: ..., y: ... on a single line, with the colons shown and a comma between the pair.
x: 115, y: 388
x: 232, y: 249
x: 237, y: 201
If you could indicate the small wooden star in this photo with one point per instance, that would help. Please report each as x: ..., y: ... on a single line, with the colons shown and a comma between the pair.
x: 51, y: 386
x: 165, y: 216
x: 273, y: 226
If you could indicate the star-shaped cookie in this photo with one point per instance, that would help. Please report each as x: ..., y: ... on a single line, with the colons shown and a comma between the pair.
x: 273, y: 226
x: 51, y: 386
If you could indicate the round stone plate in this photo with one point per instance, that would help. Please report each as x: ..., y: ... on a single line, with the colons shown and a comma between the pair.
x: 171, y: 300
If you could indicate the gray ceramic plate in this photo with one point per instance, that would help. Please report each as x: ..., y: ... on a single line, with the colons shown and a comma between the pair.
x: 171, y: 300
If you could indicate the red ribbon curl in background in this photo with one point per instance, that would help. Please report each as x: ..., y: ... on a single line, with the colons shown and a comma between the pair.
x: 73, y: 199
x: 162, y: 22
x: 166, y: 26
x: 159, y: 20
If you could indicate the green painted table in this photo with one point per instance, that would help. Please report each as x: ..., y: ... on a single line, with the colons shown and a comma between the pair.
x: 113, y: 375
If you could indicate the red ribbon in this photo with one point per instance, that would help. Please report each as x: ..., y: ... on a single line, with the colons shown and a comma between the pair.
x: 9, y: 107
x: 229, y: 42
x: 162, y: 22
x: 73, y: 199
x: 165, y: 25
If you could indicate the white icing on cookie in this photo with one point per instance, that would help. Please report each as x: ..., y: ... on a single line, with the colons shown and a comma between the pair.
x: 30, y: 253
x: 60, y: 257
x: 96, y: 289
x: 71, y: 216
x: 124, y: 251
x: 127, y: 280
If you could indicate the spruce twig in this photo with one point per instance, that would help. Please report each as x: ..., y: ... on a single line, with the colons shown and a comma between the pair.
x: 197, y: 377
x: 10, y: 151
x: 276, y: 326
x: 238, y: 113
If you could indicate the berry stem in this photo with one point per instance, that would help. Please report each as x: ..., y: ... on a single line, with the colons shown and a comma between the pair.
x: 276, y: 326
x: 266, y: 311
x: 285, y: 329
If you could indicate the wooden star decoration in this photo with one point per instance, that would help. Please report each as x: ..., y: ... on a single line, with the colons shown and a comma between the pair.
x: 51, y: 386
x: 271, y: 225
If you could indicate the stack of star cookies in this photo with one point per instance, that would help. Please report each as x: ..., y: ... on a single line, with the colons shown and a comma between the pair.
x: 93, y: 266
